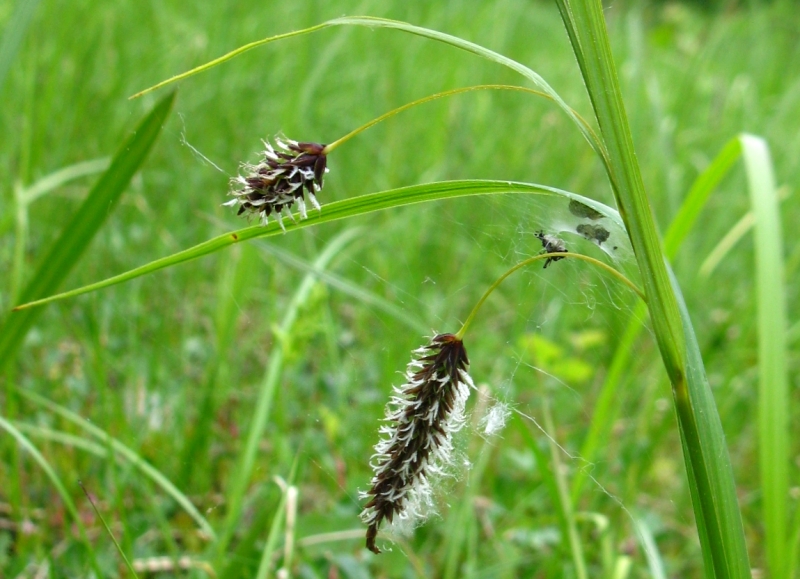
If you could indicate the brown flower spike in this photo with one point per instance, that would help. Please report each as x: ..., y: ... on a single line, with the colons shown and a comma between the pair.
x: 417, y: 443
x: 284, y: 177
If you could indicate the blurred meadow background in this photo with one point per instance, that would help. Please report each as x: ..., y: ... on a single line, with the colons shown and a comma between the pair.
x: 152, y: 393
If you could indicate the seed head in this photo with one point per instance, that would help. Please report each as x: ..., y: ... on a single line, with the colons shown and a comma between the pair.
x: 282, y: 178
x: 421, y: 418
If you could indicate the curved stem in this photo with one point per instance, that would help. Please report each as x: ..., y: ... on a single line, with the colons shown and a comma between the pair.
x: 530, y: 260
x: 227, y: 56
x: 330, y: 147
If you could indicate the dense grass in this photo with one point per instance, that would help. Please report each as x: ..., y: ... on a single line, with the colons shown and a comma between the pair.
x: 172, y: 365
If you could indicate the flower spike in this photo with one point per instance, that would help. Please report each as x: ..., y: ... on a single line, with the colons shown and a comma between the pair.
x: 421, y: 418
x: 285, y: 175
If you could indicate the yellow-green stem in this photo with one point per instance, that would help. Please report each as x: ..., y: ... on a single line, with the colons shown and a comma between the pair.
x: 530, y: 260
x: 228, y: 56
x: 330, y: 147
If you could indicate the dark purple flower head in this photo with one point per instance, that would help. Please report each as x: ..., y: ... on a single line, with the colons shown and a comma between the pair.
x: 283, y: 177
x: 417, y: 444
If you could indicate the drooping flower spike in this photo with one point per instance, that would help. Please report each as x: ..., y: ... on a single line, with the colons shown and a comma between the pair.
x: 417, y: 439
x: 282, y: 178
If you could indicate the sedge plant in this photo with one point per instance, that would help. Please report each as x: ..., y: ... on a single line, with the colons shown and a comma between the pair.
x: 430, y: 404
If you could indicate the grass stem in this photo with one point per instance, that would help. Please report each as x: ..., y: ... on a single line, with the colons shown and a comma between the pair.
x: 530, y: 260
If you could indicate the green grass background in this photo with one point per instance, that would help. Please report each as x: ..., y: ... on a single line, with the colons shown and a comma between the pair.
x: 171, y: 365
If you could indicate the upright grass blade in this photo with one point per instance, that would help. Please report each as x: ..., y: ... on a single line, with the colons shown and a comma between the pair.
x: 607, y: 406
x: 335, y: 211
x: 705, y: 454
x: 24, y: 196
x: 270, y: 546
x: 267, y: 393
x: 67, y: 250
x: 698, y: 195
x: 553, y: 478
x: 109, y: 532
x: 773, y: 390
x: 654, y: 561
x: 587, y: 29
x: 708, y: 464
x: 562, y: 499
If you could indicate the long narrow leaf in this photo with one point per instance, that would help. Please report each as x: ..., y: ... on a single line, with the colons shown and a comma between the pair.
x: 708, y: 464
x: 655, y: 562
x: 566, y: 508
x: 705, y: 453
x: 773, y: 388
x: 593, y: 49
x: 607, y: 405
x: 66, y: 251
x: 698, y: 195
x: 58, y: 178
x: 335, y: 211
x: 277, y: 522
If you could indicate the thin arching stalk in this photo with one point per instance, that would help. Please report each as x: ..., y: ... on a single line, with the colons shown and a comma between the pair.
x: 534, y: 259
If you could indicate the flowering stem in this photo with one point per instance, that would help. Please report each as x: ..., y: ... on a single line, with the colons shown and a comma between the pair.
x: 330, y: 147
x: 523, y: 263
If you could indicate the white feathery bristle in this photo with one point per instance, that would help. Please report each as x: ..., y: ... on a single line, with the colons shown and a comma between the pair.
x: 280, y: 220
x: 301, y: 207
x: 495, y: 419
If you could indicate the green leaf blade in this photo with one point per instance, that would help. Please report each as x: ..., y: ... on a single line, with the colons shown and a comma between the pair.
x: 773, y: 388
x: 67, y: 250
x: 605, y: 410
x: 698, y: 195
x: 708, y: 462
x: 336, y: 211
x: 705, y: 453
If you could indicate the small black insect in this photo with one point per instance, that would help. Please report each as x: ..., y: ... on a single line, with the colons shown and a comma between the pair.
x: 596, y: 233
x: 551, y: 244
